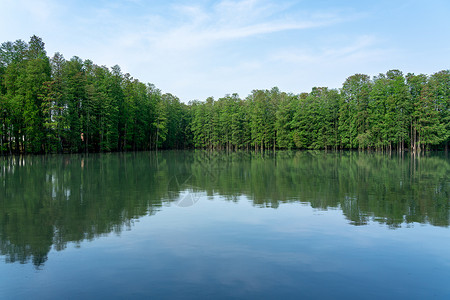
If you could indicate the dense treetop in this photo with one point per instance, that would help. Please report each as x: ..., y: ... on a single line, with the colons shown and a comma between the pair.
x: 52, y: 105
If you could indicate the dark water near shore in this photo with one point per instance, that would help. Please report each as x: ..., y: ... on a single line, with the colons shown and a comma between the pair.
x: 185, y: 224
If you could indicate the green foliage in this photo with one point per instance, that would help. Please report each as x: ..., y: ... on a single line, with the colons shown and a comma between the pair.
x: 54, y: 105
x: 57, y: 105
x: 353, y: 119
x: 160, y: 122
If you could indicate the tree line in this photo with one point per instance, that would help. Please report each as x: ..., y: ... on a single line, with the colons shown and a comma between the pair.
x: 388, y: 112
x: 54, y: 105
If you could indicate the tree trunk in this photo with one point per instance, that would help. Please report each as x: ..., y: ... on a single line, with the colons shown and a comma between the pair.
x: 1, y: 140
x: 411, y: 138
x: 10, y: 143
x: 157, y: 136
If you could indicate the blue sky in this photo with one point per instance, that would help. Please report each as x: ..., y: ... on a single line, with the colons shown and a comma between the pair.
x: 197, y: 49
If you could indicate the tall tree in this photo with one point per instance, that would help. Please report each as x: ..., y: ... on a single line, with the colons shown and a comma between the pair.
x: 160, y: 123
x: 439, y: 84
x: 75, y: 95
x: 353, y: 124
x: 389, y: 111
x: 416, y: 83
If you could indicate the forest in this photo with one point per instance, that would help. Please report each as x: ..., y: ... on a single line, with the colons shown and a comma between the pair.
x: 54, y: 105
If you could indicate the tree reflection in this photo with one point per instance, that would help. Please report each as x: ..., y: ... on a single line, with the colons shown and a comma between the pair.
x: 49, y: 201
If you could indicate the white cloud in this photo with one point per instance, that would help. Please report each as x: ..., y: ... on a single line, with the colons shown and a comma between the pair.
x: 39, y: 11
x: 328, y: 65
x: 196, y: 51
x: 228, y: 20
x: 201, y: 49
x: 362, y: 47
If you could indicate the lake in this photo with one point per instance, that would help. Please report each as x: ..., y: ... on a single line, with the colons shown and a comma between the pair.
x: 202, y: 225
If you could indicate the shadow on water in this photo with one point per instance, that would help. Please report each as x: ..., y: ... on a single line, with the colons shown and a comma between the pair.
x: 50, y: 201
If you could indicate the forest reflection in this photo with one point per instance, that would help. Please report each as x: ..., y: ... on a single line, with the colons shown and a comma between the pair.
x: 50, y: 201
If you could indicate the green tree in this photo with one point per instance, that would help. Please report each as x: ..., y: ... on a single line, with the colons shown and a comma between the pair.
x: 74, y: 94
x: 198, y: 124
x: 398, y: 110
x: 416, y: 83
x: 427, y: 117
x: 262, y: 118
x: 283, y: 121
x: 160, y: 123
x: 353, y: 119
x: 439, y: 85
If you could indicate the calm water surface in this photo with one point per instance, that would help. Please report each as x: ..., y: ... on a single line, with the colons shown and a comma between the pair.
x: 192, y: 225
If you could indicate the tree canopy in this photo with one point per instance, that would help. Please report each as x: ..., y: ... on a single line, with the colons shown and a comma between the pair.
x: 54, y: 105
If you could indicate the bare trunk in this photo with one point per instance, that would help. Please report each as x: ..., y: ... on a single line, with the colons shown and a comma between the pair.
x: 1, y: 141
x: 157, y: 136
x: 411, y: 136
x: 10, y: 143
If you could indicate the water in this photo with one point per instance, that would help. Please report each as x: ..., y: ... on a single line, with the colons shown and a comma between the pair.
x: 196, y: 225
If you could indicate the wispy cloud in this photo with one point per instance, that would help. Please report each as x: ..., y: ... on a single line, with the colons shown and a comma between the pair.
x: 230, y: 20
x: 199, y: 48
x: 362, y: 47
x: 17, y: 16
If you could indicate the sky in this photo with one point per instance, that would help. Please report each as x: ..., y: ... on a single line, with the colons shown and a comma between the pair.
x: 197, y: 49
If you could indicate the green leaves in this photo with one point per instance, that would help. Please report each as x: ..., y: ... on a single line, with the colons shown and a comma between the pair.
x: 54, y: 105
